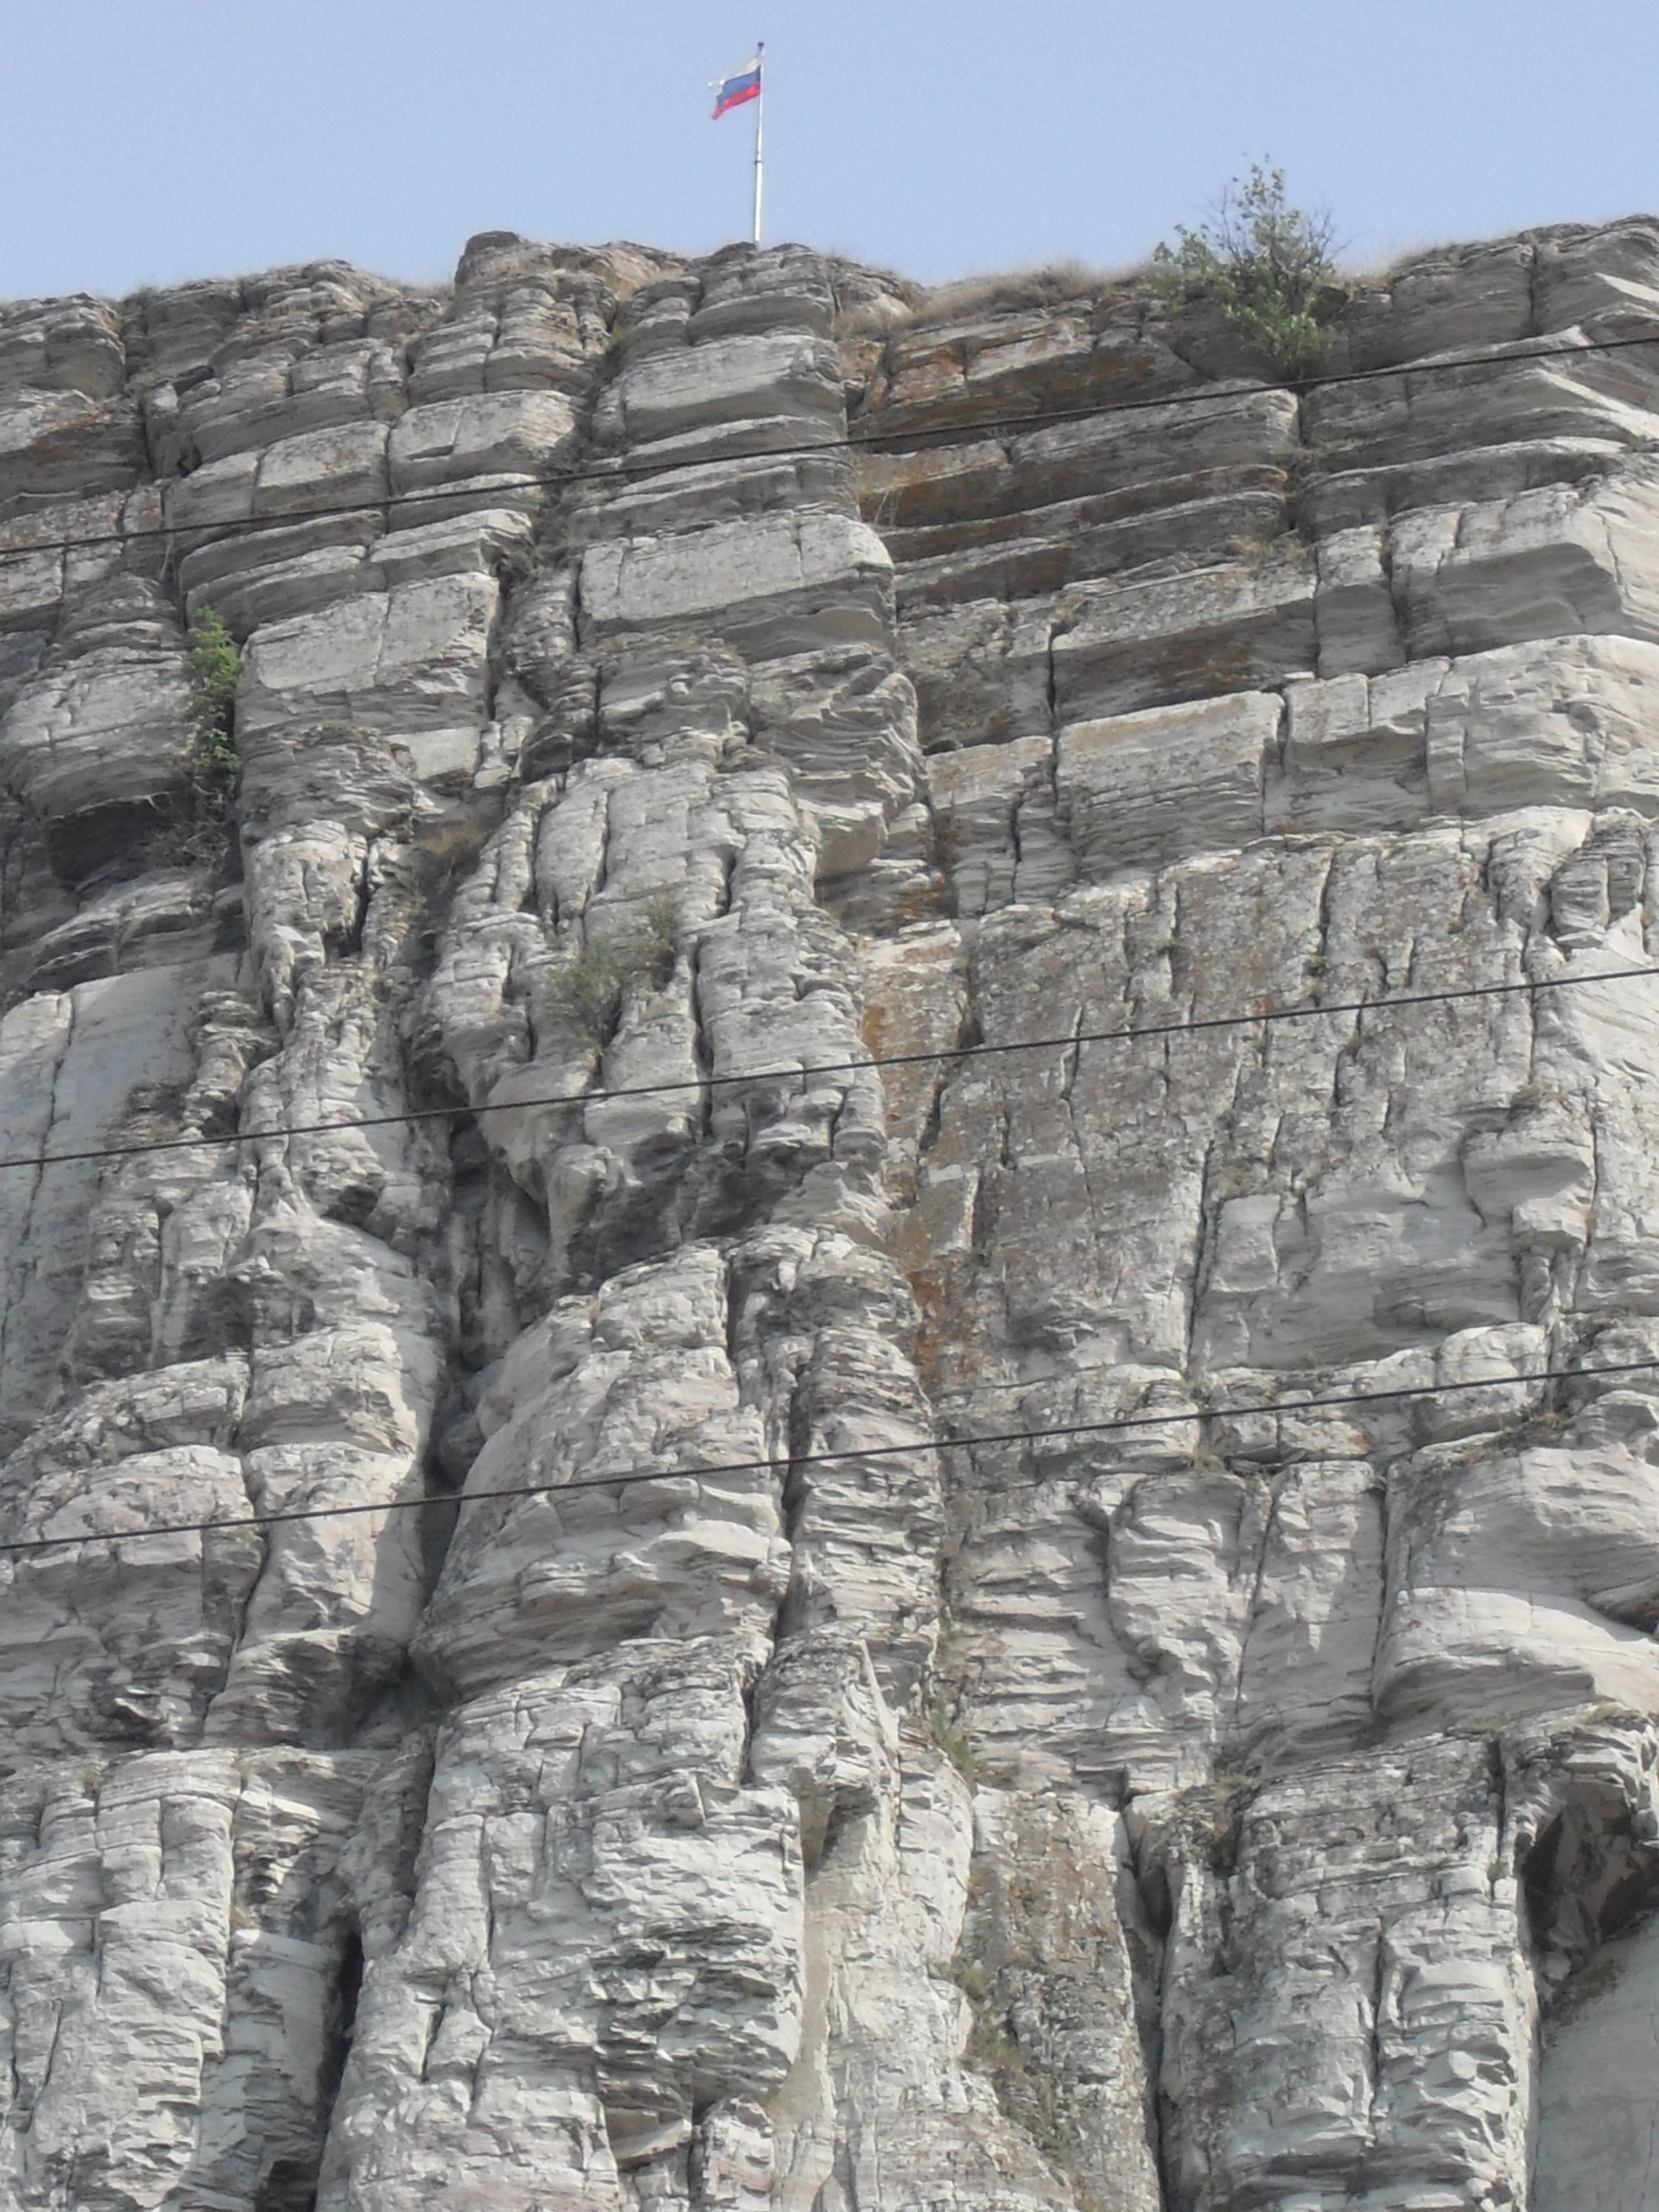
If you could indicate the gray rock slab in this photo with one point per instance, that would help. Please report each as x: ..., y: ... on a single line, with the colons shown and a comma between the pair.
x: 415, y: 656
x: 1142, y: 790
x: 73, y: 1062
x: 784, y: 584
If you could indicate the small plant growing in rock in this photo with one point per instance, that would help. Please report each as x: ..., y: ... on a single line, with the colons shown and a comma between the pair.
x: 1258, y: 545
x: 1215, y: 1811
x: 200, y: 831
x: 590, y: 992
x: 1533, y: 1096
x: 879, y: 505
x: 954, y: 1740
x: 590, y: 988
x: 1265, y: 262
x: 215, y: 671
x: 972, y: 1980
x: 657, y: 945
x: 991, y: 2046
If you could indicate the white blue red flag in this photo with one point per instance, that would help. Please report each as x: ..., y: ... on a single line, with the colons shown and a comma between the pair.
x: 737, y: 92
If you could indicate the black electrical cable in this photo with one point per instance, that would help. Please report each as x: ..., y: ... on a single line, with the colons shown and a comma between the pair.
x: 914, y: 439
x: 627, y: 1477
x: 1067, y: 1041
x: 910, y: 439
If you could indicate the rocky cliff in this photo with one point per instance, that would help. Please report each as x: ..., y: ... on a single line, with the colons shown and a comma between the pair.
x: 664, y: 1545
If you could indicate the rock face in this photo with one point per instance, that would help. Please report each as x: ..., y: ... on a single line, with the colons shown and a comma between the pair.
x: 608, y: 1604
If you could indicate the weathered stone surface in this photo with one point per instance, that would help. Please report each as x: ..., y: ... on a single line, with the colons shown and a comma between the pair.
x: 71, y: 1065
x: 1368, y: 2009
x: 595, y: 1883
x: 174, y: 1926
x: 607, y: 1604
x: 1561, y: 723
x: 510, y: 434
x: 1595, y: 2137
x: 102, y: 728
x: 792, y: 584
x: 1150, y: 788
x: 415, y: 658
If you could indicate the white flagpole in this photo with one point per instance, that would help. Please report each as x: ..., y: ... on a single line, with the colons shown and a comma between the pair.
x: 760, y: 139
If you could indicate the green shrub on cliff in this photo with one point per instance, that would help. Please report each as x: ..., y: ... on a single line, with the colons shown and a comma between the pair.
x: 1265, y: 262
x: 590, y: 987
x: 215, y: 671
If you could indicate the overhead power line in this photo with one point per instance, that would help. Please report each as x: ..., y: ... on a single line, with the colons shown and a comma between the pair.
x: 627, y: 1477
x: 1436, y: 366
x: 1066, y: 1040
x: 914, y: 438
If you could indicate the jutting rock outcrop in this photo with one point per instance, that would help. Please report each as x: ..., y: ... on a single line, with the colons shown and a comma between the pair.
x: 663, y: 1542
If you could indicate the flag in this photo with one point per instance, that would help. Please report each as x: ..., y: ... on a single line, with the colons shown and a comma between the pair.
x: 737, y: 92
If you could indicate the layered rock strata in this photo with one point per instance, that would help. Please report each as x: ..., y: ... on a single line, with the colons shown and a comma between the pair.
x: 586, y: 1616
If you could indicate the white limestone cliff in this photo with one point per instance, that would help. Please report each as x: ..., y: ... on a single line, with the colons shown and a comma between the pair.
x: 631, y: 1747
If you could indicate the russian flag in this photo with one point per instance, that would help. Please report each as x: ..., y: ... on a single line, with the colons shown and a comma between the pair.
x: 738, y: 91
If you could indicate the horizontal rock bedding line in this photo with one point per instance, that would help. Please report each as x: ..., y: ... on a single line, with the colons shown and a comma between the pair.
x: 899, y: 442
x: 625, y: 1478
x: 1067, y: 1040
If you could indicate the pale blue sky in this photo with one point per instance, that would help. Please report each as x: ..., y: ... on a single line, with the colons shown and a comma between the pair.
x: 145, y: 141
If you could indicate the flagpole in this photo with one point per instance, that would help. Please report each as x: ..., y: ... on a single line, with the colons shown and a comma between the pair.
x: 759, y: 138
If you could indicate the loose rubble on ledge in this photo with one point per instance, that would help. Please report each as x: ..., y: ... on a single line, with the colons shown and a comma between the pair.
x: 1255, y: 1810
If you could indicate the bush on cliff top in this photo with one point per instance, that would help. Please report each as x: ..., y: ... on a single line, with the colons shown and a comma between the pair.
x: 1265, y: 262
